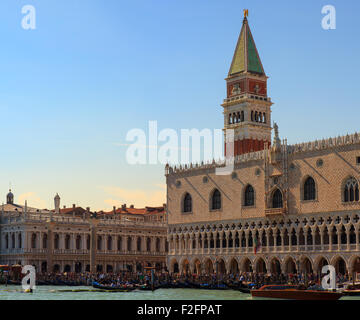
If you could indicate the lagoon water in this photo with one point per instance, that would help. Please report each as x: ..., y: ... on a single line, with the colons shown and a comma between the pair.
x: 13, y: 292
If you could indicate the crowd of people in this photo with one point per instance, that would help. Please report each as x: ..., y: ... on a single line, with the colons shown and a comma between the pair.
x: 165, y: 279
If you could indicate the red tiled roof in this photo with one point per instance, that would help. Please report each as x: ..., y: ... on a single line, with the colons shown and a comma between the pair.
x: 137, y: 211
x: 71, y: 210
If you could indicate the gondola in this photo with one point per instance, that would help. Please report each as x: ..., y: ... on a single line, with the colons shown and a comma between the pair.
x: 97, y: 285
x: 215, y: 286
x: 352, y: 290
x: 148, y: 287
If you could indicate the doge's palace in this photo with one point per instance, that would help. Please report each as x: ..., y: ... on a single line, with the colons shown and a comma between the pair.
x: 284, y: 208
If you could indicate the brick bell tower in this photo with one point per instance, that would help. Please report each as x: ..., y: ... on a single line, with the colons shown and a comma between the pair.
x: 247, y: 108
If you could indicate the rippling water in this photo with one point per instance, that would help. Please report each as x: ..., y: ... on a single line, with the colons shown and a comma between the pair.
x: 58, y: 293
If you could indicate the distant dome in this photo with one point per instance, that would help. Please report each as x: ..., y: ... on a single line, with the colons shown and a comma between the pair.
x: 10, y: 198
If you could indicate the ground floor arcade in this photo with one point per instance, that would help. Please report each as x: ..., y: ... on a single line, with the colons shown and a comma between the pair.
x: 261, y: 263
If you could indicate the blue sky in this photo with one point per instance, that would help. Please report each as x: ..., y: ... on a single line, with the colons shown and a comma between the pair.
x: 92, y: 70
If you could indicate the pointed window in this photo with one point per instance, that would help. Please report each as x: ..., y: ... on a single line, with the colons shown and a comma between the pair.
x: 277, y: 201
x: 249, y: 196
x: 187, y: 203
x: 216, y: 200
x: 351, y: 190
x: 309, y: 189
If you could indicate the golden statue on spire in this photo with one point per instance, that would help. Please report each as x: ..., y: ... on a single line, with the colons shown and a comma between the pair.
x: 246, y: 13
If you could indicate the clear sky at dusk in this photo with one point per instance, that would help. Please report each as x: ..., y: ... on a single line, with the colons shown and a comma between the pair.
x: 92, y: 70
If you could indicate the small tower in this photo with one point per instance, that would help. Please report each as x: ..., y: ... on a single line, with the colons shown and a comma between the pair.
x: 247, y: 107
x: 10, y: 197
x: 57, y: 203
x: 276, y: 155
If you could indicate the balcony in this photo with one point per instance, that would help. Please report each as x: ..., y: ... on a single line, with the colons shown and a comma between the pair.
x: 70, y: 251
x: 275, y: 212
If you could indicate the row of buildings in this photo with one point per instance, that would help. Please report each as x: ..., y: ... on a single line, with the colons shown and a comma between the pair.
x: 78, y: 240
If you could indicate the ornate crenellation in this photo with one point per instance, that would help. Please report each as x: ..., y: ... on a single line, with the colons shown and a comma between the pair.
x: 324, y: 144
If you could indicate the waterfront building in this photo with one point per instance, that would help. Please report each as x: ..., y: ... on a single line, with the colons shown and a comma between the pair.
x: 284, y: 208
x: 77, y: 240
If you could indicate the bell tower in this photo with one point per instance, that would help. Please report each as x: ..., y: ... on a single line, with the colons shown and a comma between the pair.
x: 247, y: 108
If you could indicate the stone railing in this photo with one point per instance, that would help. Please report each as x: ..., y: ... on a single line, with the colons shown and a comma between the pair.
x: 268, y: 249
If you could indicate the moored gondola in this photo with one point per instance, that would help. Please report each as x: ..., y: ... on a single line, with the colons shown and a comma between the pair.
x: 97, y: 285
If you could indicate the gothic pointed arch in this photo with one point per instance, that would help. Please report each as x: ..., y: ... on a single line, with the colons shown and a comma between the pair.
x: 186, y: 203
x: 308, y: 189
x: 249, y: 196
x: 277, y: 199
x: 215, y: 200
x: 350, y: 190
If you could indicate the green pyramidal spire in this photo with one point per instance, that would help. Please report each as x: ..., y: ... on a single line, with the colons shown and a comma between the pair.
x: 246, y: 57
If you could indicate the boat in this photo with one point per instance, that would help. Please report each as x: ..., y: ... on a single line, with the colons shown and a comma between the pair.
x: 244, y: 289
x: 97, y: 285
x: 214, y: 286
x: 352, y: 290
x: 294, y: 292
x: 148, y: 287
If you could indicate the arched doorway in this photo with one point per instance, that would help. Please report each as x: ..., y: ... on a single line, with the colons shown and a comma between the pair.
x: 306, y: 266
x: 186, y: 267
x: 247, y: 266
x: 340, y: 266
x: 322, y: 262
x: 261, y: 266
x: 221, y: 269
x: 109, y: 268
x: 99, y: 268
x: 67, y: 268
x: 174, y: 266
x: 209, y: 269
x: 234, y: 266
x: 290, y: 266
x: 56, y: 268
x: 275, y: 266
x: 197, y: 266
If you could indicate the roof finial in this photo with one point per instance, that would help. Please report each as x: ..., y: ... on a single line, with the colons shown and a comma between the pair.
x: 246, y: 13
